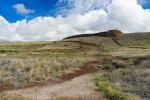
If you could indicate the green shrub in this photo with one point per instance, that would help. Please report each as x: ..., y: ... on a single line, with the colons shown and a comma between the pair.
x: 119, y: 64
x: 107, y: 63
x: 7, y: 50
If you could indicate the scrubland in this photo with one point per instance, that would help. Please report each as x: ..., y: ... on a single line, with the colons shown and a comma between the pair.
x: 123, y: 74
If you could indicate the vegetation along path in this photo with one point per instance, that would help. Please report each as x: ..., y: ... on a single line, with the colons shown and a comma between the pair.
x: 73, y: 86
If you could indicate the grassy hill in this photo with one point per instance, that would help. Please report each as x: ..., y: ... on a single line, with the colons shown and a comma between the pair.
x: 127, y: 39
x: 23, y: 64
x: 136, y: 39
x: 77, y: 44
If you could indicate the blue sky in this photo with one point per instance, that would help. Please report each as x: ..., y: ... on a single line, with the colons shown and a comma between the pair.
x: 41, y: 8
x: 147, y: 5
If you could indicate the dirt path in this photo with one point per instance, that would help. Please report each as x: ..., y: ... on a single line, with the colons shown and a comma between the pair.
x: 75, y: 85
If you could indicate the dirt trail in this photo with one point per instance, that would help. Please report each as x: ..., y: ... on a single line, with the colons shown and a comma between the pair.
x: 76, y: 85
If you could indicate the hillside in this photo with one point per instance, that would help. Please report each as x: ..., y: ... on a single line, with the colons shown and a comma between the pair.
x: 105, y: 38
x: 48, y: 68
x: 132, y: 39
x: 80, y: 43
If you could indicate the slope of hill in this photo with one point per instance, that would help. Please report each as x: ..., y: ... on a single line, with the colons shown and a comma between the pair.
x: 132, y: 39
x: 28, y: 64
x: 104, y: 38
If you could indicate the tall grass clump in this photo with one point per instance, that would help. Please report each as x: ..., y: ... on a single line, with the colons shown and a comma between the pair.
x: 112, y: 92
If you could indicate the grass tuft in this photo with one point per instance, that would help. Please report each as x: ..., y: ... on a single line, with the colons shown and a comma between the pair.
x: 112, y: 92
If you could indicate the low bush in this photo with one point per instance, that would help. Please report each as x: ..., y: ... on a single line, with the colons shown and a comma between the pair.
x: 119, y: 64
x: 107, y: 63
x: 8, y: 50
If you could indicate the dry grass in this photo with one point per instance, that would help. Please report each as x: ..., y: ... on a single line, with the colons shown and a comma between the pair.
x: 21, y: 72
x: 136, y: 39
x: 24, y: 63
x: 133, y: 79
x: 130, y: 52
x: 14, y: 98
x: 76, y: 98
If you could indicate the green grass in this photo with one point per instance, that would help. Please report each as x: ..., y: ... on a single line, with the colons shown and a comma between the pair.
x: 21, y: 46
x: 8, y: 51
x: 112, y: 92
x: 141, y: 47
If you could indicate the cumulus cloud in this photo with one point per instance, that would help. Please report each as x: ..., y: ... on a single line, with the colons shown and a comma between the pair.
x: 125, y: 15
x: 21, y: 9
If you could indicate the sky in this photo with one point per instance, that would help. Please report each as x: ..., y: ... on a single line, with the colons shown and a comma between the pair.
x: 48, y: 20
x: 40, y: 7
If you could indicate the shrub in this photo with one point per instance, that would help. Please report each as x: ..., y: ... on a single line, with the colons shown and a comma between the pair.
x: 107, y: 63
x: 6, y: 51
x: 119, y: 64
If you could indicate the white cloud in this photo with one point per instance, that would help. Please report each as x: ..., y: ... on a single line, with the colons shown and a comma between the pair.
x: 82, y: 6
x: 125, y: 15
x: 21, y: 9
